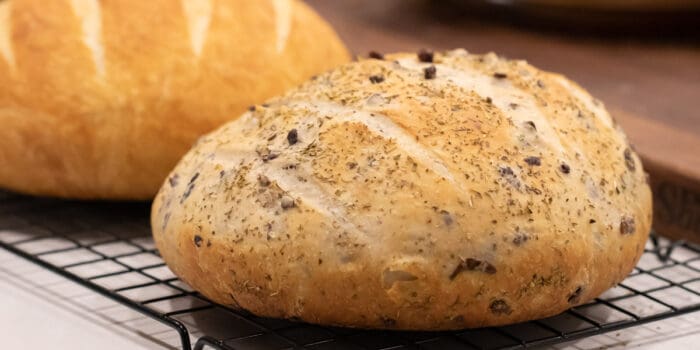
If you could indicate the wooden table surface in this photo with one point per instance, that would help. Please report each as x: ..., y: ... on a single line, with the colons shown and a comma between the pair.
x: 650, y: 85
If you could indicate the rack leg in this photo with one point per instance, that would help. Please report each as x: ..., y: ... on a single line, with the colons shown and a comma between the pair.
x: 664, y: 253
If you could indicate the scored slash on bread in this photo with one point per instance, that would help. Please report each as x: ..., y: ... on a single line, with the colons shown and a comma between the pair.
x: 430, y: 191
x: 198, y: 14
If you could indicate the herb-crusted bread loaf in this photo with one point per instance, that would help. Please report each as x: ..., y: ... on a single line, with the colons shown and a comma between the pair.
x: 410, y: 192
x: 100, y: 99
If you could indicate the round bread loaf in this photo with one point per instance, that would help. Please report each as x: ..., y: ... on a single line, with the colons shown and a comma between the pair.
x: 416, y: 192
x: 99, y: 99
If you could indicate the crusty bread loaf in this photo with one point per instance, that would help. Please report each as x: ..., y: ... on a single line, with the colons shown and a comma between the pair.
x: 409, y: 194
x: 99, y: 99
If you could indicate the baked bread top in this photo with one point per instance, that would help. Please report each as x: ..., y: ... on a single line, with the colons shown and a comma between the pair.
x: 99, y: 99
x: 428, y: 191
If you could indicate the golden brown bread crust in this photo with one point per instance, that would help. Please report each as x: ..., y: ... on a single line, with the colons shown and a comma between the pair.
x: 99, y: 99
x: 491, y: 193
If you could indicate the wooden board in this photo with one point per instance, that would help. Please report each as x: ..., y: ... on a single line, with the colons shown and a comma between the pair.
x: 651, y: 87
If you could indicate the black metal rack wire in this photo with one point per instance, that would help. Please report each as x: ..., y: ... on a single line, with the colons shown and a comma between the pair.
x: 106, y: 247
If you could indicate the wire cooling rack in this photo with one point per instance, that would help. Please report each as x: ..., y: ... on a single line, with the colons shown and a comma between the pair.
x: 106, y: 247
